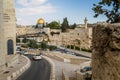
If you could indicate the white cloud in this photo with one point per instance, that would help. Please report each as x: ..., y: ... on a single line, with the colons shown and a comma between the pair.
x: 30, y: 2
x: 27, y: 8
x: 22, y: 21
x: 44, y: 9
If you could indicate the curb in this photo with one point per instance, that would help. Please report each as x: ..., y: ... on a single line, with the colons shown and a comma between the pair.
x: 21, y: 70
x: 52, y: 74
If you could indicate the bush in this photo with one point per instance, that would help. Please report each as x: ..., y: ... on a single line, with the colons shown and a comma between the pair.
x: 86, y: 50
x: 44, y: 45
x: 25, y: 40
x: 72, y: 47
x: 78, y: 48
x: 68, y: 46
x: 32, y: 44
x: 52, y: 48
x: 17, y: 40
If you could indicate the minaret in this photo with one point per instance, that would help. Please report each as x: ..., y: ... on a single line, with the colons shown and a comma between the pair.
x: 85, y: 22
x: 7, y: 29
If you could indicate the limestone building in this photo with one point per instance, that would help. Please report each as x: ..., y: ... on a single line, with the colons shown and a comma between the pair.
x: 81, y: 36
x: 7, y: 30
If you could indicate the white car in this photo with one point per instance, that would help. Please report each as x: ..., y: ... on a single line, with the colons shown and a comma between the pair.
x: 25, y: 52
x: 37, y: 57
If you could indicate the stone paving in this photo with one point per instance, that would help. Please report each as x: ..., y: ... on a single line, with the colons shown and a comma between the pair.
x: 69, y: 69
x: 16, y: 66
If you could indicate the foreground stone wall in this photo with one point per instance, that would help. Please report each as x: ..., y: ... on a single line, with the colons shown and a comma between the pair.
x: 7, y: 30
x: 106, y: 52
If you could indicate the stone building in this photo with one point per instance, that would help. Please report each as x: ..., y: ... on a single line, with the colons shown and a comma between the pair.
x: 23, y: 30
x: 7, y: 30
x: 81, y: 36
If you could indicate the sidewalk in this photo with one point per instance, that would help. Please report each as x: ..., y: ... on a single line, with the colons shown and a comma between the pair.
x: 69, y: 69
x: 14, y: 70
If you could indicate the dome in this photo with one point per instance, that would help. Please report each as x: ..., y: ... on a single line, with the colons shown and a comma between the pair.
x: 41, y: 21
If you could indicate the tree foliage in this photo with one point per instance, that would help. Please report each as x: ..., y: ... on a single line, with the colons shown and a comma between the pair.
x: 109, y: 8
x: 53, y: 25
x: 51, y: 47
x: 64, y: 25
x: 44, y: 45
x: 32, y: 44
x: 17, y: 40
x: 25, y: 40
x: 73, y: 26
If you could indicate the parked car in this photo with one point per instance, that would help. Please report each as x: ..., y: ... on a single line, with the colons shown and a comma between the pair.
x: 86, y: 68
x: 18, y: 49
x: 37, y: 57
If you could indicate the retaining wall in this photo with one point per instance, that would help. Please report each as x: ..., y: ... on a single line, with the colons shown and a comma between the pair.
x: 15, y: 74
x: 52, y: 75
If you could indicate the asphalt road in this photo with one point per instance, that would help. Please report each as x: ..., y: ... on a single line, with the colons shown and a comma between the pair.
x: 39, y: 70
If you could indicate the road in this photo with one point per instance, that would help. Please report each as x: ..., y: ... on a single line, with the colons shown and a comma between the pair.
x: 39, y: 70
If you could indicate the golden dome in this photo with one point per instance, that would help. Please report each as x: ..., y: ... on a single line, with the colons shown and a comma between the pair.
x: 41, y: 21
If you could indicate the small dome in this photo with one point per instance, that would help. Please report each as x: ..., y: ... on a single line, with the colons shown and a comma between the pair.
x: 41, y: 21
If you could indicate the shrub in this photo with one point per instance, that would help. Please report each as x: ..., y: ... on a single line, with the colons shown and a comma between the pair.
x: 52, y: 48
x: 86, y: 50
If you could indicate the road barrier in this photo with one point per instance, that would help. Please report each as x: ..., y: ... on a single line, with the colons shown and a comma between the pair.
x: 52, y: 75
x: 21, y: 70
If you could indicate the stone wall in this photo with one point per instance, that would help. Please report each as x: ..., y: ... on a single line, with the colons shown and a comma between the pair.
x: 78, y: 61
x: 106, y: 52
x: 79, y: 36
x: 7, y: 30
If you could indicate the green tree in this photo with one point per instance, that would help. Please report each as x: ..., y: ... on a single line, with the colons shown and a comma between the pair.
x: 109, y: 8
x: 32, y: 44
x: 53, y: 25
x: 44, y: 45
x: 25, y: 40
x: 64, y: 25
x: 36, y: 26
x: 52, y: 47
x: 73, y: 26
x: 17, y: 40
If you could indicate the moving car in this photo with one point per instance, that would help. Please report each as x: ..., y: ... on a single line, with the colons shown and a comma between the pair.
x: 37, y: 57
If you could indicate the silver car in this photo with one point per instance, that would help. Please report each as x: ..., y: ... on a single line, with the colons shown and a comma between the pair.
x: 37, y: 57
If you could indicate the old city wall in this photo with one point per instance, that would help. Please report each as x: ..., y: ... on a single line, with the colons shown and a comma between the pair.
x: 85, y: 36
x: 106, y: 52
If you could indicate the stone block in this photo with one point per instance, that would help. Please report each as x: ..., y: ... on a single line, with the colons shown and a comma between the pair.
x: 106, y: 52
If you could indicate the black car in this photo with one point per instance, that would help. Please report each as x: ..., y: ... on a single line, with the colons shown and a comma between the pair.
x: 85, y: 69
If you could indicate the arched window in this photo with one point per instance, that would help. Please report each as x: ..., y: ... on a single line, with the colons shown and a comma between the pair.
x: 10, y: 48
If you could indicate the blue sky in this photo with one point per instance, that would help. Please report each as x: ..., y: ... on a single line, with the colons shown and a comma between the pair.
x: 29, y: 11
